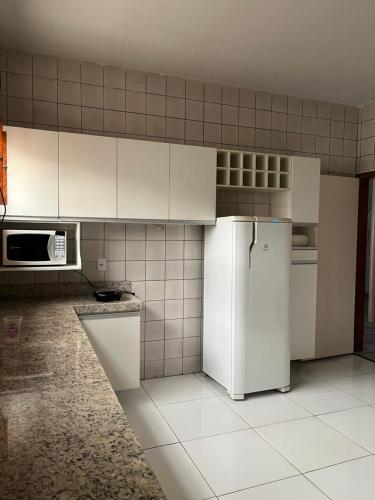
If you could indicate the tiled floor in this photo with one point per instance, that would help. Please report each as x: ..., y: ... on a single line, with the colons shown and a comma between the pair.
x: 314, y: 443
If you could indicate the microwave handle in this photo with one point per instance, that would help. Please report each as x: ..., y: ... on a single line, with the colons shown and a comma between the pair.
x: 50, y: 247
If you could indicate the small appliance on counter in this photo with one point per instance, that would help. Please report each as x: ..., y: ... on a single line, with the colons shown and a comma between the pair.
x: 107, y: 295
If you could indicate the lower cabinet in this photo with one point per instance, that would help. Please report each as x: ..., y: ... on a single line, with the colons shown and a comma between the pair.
x: 303, y: 281
x: 116, y: 341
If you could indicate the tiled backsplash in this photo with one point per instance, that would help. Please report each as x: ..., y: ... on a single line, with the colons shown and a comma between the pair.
x: 164, y: 264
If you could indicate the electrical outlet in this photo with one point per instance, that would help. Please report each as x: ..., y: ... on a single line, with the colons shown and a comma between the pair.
x: 101, y: 264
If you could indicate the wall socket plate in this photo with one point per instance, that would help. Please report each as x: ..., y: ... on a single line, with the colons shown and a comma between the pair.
x: 101, y: 264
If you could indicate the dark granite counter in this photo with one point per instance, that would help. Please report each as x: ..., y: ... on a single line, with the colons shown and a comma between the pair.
x: 63, y: 433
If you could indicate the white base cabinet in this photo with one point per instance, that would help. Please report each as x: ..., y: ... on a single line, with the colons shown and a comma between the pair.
x: 32, y: 172
x: 116, y: 341
x: 303, y: 279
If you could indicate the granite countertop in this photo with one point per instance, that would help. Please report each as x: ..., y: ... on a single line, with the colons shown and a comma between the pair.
x: 63, y: 433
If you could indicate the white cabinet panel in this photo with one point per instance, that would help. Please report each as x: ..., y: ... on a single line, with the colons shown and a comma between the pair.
x: 301, y: 202
x: 32, y: 172
x: 305, y: 190
x: 143, y: 179
x: 116, y: 341
x: 303, y: 310
x: 337, y: 243
x: 192, y: 183
x: 87, y: 176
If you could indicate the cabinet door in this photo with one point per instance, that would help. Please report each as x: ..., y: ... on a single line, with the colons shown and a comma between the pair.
x: 192, y: 183
x: 305, y: 190
x: 303, y: 310
x: 87, y: 176
x: 143, y: 179
x: 32, y: 172
x: 337, y: 243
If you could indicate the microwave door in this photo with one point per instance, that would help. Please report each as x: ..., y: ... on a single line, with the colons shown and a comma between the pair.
x: 28, y: 249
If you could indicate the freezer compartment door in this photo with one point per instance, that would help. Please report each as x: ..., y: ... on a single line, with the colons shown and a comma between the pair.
x: 261, y: 325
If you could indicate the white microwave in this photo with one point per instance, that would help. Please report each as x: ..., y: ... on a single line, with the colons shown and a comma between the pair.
x: 33, y: 248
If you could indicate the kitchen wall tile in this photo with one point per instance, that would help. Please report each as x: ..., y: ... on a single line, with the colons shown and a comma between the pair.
x: 193, y: 289
x: 322, y: 145
x: 114, y: 99
x: 193, y: 232
x: 139, y: 288
x: 174, y: 289
x: 351, y: 114
x: 69, y: 93
x: 135, y: 124
x: 45, y: 89
x: 174, y: 231
x: 323, y: 127
x: 92, y: 230
x: 114, y: 231
x: 155, y: 270
x: 337, y: 129
x: 175, y: 107
x: 192, y: 269
x: 308, y: 144
x: 155, y: 250
x: 308, y: 125
x: 45, y: 66
x: 174, y: 309
x: 294, y: 105
x: 174, y: 250
x: 336, y: 146
x: 191, y: 346
x: 135, y: 250
x: 192, y: 327
x: 45, y: 113
x: 20, y: 110
x: 309, y: 107
x: 294, y: 123
x: 193, y: 130
x: 172, y: 367
x: 175, y: 86
x: 135, y: 270
x: 92, y: 73
x: 68, y: 69
x: 279, y: 121
x: 19, y: 62
x: 69, y: 116
x: 263, y: 138
x: 263, y: 100
x: 293, y: 142
x: 92, y: 96
x: 324, y: 110
x: 135, y: 232
x: 191, y: 364
x: 246, y: 137
x: 90, y: 270
x: 174, y: 269
x: 173, y: 348
x: 278, y: 140
x: 229, y: 135
x: 154, y: 330
x: 154, y: 369
x: 155, y: 126
x: 194, y: 90
x: 155, y: 290
x: 3, y: 83
x: 115, y: 271
x: 92, y: 119
x: 212, y: 132
x: 338, y: 112
x: 212, y: 93
x: 194, y: 110
x: 156, y: 84
x: 247, y: 98
x: 135, y: 102
x: 192, y: 308
x: 114, y: 121
x: 193, y: 250
x: 136, y: 80
x: 114, y: 250
x: 279, y: 103
x: 173, y: 328
x: 155, y: 232
x: 114, y: 77
x: 19, y: 85
x: 350, y: 131
x: 154, y: 350
x: 175, y: 128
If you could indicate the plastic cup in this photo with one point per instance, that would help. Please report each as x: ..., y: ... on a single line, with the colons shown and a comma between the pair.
x: 12, y: 327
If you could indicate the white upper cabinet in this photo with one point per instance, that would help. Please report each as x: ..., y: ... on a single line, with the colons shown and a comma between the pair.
x: 32, y: 172
x: 143, y: 180
x: 301, y: 203
x: 87, y: 176
x: 192, y: 183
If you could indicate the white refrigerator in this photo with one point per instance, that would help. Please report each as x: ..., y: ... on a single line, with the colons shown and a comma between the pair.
x: 246, y: 333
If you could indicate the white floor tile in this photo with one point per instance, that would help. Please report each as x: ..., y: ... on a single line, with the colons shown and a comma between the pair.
x: 174, y: 389
x: 348, y: 481
x: 326, y: 369
x: 268, y: 408
x: 310, y: 444
x: 359, y: 364
x: 144, y: 418
x: 178, y: 476
x: 238, y: 460
x: 298, y: 375
x: 201, y: 418
x: 362, y: 387
x: 357, y: 424
x: 319, y: 397
x: 293, y: 488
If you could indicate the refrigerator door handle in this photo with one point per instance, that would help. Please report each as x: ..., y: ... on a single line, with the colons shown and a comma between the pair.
x: 254, y: 242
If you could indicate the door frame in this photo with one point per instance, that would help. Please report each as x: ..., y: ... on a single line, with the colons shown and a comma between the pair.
x: 360, y: 285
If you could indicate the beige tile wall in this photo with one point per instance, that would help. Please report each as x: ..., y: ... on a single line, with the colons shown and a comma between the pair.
x: 165, y: 266
x: 366, y: 136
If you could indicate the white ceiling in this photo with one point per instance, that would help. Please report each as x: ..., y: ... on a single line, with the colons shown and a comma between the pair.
x: 322, y: 49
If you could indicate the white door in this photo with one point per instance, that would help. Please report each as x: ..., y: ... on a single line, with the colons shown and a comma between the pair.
x: 87, y: 176
x: 192, y: 183
x: 305, y: 190
x: 302, y: 310
x: 32, y: 172
x: 143, y: 179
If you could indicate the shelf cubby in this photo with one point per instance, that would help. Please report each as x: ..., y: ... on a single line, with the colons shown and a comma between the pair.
x: 253, y: 171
